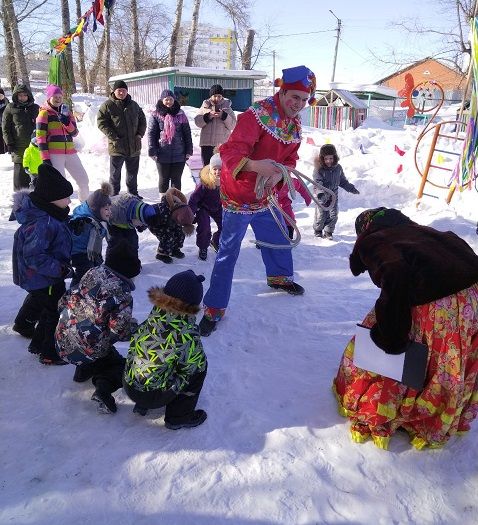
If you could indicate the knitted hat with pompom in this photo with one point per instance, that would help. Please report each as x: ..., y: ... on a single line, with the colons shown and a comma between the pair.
x: 100, y: 198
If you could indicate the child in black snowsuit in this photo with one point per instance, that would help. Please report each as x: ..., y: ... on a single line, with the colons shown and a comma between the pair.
x: 329, y: 173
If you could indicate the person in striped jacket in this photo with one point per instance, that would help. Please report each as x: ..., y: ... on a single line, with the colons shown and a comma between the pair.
x: 55, y: 129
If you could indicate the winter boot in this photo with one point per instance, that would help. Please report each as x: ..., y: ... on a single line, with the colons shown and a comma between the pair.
x: 140, y: 410
x: 195, y: 419
x: 106, y: 402
x: 318, y: 233
x: 292, y: 288
x: 33, y: 349
x: 51, y: 361
x: 328, y: 235
x: 178, y: 254
x: 203, y: 254
x: 164, y: 257
x: 206, y: 326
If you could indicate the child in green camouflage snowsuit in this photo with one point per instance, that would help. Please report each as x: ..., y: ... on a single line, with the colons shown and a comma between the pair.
x: 166, y: 364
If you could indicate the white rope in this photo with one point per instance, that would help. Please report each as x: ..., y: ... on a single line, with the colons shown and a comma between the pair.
x: 273, y: 204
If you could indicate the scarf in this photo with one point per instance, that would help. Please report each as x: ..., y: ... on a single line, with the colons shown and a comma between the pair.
x: 169, y: 129
x: 61, y: 214
x: 95, y: 244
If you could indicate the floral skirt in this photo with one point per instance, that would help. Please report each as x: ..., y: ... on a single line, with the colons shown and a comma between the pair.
x: 377, y: 406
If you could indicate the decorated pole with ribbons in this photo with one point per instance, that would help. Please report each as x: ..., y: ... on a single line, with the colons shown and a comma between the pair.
x: 58, y: 72
x: 466, y: 172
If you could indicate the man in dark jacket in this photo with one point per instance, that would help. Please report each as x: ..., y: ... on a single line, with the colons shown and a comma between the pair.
x: 18, y: 124
x: 122, y: 120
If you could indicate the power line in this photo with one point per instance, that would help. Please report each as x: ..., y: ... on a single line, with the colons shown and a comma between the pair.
x: 300, y: 34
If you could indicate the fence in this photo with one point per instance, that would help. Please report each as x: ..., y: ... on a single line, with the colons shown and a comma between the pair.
x: 338, y: 118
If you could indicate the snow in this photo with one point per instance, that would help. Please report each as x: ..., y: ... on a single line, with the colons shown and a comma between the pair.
x: 274, y: 449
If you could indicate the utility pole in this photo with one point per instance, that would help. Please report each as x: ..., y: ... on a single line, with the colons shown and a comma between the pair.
x: 339, y: 25
x: 273, y: 66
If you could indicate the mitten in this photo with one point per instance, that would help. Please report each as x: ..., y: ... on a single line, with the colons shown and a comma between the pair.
x: 77, y: 225
x: 65, y: 119
x: 355, y: 191
x: 223, y: 115
x: 207, y: 118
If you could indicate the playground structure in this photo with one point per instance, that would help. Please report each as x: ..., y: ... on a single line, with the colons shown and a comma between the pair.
x: 453, y: 144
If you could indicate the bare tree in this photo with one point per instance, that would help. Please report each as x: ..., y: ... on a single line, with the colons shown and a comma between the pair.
x: 12, y: 73
x: 12, y: 25
x: 248, y: 47
x: 96, y: 66
x: 238, y: 13
x: 451, y: 42
x: 68, y: 78
x: 81, y: 52
x: 175, y: 33
x: 192, y: 35
x: 153, y: 38
x: 107, y: 33
x: 135, y: 31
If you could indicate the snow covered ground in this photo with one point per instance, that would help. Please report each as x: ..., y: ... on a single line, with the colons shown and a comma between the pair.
x: 274, y: 449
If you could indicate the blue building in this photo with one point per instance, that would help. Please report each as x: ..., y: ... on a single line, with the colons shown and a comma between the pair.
x: 191, y: 84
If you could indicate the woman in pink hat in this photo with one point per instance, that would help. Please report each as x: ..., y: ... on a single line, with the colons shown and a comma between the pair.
x: 55, y: 129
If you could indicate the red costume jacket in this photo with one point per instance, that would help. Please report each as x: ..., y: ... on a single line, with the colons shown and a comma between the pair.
x: 261, y: 132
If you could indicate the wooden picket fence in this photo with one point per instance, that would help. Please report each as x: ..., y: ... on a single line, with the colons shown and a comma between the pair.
x: 337, y: 118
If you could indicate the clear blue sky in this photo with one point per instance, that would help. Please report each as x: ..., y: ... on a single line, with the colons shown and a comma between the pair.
x: 366, y: 25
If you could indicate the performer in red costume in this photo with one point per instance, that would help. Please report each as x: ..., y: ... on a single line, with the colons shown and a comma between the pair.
x: 269, y: 131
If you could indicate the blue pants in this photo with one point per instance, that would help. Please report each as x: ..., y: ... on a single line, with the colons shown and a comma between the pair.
x: 278, y: 262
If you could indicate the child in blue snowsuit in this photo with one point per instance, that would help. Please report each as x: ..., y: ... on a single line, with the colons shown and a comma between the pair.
x: 88, y: 231
x: 41, y: 257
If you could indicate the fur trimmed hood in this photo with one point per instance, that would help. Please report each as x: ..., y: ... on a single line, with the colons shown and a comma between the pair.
x: 159, y: 299
x: 19, y: 199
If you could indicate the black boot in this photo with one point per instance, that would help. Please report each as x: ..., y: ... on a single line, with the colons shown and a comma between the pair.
x: 292, y: 288
x: 106, y: 402
x: 140, y: 410
x: 164, y: 257
x: 178, y: 254
x: 206, y: 326
x: 202, y: 254
x: 195, y: 419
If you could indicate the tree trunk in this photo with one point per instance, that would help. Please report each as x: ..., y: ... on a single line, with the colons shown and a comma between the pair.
x: 247, y: 53
x: 97, y: 63
x: 135, y: 31
x: 174, y: 35
x: 107, y: 34
x: 12, y: 73
x: 68, y: 83
x: 17, y: 42
x: 192, y: 35
x: 81, y: 52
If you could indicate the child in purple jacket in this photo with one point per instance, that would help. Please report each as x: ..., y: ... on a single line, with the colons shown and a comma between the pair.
x: 206, y: 204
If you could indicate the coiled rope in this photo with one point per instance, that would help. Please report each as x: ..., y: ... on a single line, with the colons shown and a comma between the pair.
x: 274, y: 208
